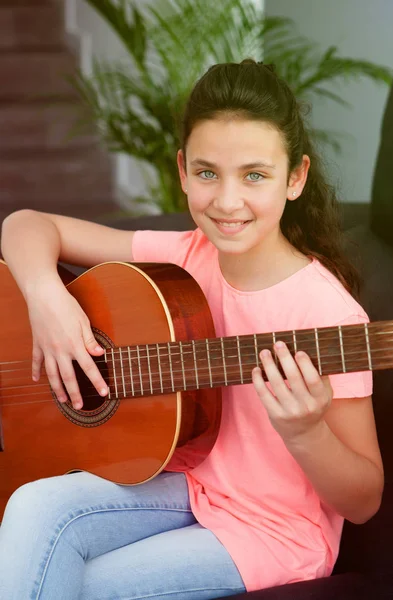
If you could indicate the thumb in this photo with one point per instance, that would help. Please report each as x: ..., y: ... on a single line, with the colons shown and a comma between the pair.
x: 91, y: 344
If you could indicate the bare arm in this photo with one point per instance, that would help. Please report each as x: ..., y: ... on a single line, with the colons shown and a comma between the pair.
x: 333, y: 440
x: 341, y: 458
x: 33, y: 243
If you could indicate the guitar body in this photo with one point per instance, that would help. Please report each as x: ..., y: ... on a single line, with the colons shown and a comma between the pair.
x: 130, y: 440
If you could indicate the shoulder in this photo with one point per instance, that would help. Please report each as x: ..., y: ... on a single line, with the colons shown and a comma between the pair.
x: 326, y: 301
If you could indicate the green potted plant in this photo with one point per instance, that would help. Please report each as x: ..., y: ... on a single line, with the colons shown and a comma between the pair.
x: 137, y: 106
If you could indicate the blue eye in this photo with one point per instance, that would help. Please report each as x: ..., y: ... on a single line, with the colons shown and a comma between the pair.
x: 204, y: 172
x: 259, y: 176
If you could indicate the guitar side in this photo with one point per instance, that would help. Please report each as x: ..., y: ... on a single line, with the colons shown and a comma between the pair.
x: 130, y: 304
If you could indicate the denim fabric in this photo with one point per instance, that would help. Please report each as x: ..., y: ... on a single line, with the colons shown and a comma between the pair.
x: 80, y: 537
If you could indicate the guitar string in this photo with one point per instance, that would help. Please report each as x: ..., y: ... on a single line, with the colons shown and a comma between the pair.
x: 146, y: 391
x: 212, y: 348
x: 325, y: 358
x: 215, y: 343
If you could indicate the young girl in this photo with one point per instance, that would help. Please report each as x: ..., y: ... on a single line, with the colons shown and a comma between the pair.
x: 293, y: 458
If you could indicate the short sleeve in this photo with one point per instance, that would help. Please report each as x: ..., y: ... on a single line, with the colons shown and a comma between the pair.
x: 353, y: 385
x: 161, y: 246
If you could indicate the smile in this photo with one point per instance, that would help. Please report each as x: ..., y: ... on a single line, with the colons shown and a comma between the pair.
x: 230, y: 227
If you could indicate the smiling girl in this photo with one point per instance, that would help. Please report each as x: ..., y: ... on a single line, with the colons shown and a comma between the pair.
x: 293, y: 458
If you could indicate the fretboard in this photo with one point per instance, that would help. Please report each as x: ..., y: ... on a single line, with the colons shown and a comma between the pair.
x: 167, y: 367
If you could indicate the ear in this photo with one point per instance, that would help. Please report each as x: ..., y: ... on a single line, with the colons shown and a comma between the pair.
x: 298, y: 178
x: 182, y: 170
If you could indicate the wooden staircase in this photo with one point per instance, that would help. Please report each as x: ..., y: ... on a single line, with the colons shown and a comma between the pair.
x: 41, y: 166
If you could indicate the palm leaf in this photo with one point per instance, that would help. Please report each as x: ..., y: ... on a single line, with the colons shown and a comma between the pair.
x: 171, y: 43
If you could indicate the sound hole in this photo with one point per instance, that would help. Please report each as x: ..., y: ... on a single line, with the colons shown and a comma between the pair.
x: 96, y: 409
x: 91, y: 398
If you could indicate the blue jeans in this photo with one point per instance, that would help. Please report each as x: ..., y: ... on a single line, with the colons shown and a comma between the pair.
x: 80, y: 537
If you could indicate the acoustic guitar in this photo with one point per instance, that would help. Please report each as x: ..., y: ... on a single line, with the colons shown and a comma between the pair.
x: 164, y: 367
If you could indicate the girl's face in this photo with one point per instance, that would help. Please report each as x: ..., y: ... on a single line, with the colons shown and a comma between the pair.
x: 236, y: 179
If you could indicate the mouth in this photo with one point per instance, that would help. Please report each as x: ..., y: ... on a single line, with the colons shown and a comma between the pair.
x: 230, y: 227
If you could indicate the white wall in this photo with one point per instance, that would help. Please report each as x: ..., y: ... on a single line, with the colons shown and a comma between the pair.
x: 361, y: 29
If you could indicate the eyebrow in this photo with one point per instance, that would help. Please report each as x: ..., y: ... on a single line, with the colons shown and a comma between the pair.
x: 254, y: 165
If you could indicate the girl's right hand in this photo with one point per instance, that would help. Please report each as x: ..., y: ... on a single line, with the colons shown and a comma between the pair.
x: 62, y: 333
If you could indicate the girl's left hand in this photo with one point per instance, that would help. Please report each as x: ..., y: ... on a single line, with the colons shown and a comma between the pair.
x: 299, y: 409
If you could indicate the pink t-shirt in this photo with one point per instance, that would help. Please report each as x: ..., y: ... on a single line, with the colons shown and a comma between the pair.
x: 250, y: 491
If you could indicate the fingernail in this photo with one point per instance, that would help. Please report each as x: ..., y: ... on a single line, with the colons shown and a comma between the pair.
x: 104, y: 391
x: 98, y: 348
x: 266, y: 353
x: 280, y: 345
x: 35, y: 378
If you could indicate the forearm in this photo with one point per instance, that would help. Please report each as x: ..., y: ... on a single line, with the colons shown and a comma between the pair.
x: 30, y: 244
x: 348, y: 482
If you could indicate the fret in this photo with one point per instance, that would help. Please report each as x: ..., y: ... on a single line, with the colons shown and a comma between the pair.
x: 294, y: 340
x: 114, y: 373
x: 195, y: 364
x: 256, y: 350
x: 240, y: 359
x: 159, y: 368
x: 122, y: 373
x: 148, y: 366
x: 273, y: 353
x: 224, y: 364
x: 208, y: 362
x: 182, y: 365
x: 370, y: 366
x: 342, y: 348
x: 106, y: 360
x: 170, y: 366
x: 130, y: 367
x: 318, y: 352
x: 140, y: 370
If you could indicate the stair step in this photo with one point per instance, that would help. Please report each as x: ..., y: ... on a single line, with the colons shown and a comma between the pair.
x: 31, y: 27
x: 33, y: 75
x: 30, y: 126
x: 55, y: 177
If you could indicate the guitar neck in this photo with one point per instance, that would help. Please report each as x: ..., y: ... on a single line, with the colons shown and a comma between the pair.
x: 164, y: 368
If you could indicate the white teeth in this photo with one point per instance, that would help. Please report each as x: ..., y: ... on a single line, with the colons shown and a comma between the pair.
x: 237, y: 224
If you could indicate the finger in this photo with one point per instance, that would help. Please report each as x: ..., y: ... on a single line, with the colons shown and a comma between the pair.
x: 37, y: 360
x: 52, y: 372
x: 267, y: 398
x: 91, y: 370
x: 70, y: 382
x: 279, y: 387
x: 90, y: 342
x: 292, y: 372
x: 311, y: 377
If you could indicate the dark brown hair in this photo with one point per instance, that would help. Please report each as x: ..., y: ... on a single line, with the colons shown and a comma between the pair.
x: 253, y: 91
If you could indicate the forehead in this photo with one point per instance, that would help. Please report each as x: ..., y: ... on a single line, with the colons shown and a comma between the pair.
x: 233, y: 138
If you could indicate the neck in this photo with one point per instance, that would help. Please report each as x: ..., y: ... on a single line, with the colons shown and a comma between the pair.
x: 263, y: 266
x: 177, y: 366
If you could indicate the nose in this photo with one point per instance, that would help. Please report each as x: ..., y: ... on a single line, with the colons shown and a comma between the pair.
x: 228, y: 199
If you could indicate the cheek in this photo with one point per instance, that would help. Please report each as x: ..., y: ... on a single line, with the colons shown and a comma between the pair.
x: 199, y: 200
